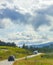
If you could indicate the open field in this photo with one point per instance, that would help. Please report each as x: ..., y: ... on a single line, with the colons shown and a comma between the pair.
x: 6, y: 51
x: 38, y: 60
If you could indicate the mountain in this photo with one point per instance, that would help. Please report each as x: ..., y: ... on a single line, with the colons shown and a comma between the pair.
x: 33, y: 44
x: 43, y: 45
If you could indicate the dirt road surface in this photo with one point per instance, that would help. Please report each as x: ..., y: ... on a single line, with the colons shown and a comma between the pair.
x: 6, y: 62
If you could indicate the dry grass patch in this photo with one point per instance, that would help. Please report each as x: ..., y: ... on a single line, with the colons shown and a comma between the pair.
x: 35, y: 61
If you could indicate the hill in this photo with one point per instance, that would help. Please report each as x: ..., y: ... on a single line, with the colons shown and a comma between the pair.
x: 6, y: 51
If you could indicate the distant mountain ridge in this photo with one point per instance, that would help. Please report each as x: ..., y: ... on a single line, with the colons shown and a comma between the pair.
x: 36, y: 45
x: 43, y: 45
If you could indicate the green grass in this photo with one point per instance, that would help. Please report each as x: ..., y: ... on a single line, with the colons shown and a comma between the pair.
x: 6, y: 51
x: 38, y: 60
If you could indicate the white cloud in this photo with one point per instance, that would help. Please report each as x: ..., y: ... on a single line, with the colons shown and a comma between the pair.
x: 31, y: 5
x: 19, y: 32
x: 26, y: 6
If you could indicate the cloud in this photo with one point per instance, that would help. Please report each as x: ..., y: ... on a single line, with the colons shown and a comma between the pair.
x: 11, y: 14
x: 15, y: 16
x: 36, y: 21
x: 3, y: 5
x: 41, y: 17
x: 5, y: 23
x: 2, y: 25
x: 39, y: 20
x: 18, y: 37
x: 48, y: 10
x: 33, y: 18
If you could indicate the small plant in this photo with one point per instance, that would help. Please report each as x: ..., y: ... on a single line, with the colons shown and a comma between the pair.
x: 25, y: 58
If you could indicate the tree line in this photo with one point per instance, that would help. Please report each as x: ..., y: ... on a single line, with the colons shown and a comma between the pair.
x: 2, y: 43
x: 45, y: 49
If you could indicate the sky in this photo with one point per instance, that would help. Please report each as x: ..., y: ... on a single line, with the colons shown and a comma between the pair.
x: 26, y: 21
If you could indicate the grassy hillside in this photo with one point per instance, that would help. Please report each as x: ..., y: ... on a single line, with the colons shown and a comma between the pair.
x: 6, y: 51
x: 39, y: 60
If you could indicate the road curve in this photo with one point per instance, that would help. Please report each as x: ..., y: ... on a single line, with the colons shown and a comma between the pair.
x: 6, y: 62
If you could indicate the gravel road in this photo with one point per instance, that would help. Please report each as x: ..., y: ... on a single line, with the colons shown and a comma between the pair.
x: 6, y: 62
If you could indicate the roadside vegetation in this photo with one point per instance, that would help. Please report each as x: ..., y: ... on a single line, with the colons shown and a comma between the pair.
x: 43, y: 59
x: 6, y: 51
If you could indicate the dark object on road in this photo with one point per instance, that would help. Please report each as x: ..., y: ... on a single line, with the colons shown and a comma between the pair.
x: 35, y: 52
x: 11, y: 58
